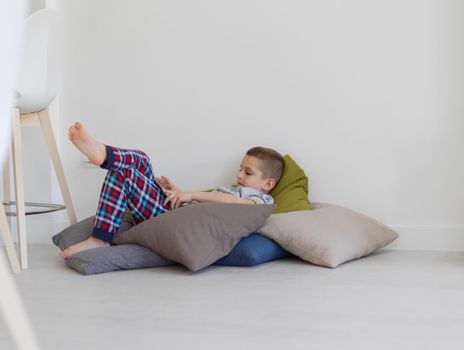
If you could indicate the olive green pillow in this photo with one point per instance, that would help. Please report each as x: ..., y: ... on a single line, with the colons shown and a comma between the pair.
x: 291, y: 192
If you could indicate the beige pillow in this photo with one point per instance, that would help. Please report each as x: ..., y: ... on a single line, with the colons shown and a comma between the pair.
x: 328, y: 235
x: 197, y: 235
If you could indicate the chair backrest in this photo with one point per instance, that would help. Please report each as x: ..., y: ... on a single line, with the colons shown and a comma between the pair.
x: 39, y: 72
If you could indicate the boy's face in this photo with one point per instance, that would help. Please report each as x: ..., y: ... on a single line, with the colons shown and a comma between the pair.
x: 251, y: 176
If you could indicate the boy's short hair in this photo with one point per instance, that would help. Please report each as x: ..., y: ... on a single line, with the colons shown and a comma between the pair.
x: 272, y: 162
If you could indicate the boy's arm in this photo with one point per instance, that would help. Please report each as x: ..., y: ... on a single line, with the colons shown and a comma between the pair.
x: 177, y: 197
x: 219, y: 197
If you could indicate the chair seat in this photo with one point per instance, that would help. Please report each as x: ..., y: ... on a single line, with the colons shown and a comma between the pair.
x: 40, y: 62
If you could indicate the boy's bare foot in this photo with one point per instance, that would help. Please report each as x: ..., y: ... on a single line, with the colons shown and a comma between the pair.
x: 89, y: 243
x: 93, y: 149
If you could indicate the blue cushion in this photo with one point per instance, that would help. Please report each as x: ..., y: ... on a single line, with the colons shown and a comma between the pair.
x: 253, y: 250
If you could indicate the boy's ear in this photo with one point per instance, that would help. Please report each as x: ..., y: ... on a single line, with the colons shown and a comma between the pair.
x: 269, y: 184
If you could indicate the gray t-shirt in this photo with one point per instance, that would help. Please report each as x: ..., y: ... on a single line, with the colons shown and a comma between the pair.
x: 247, y: 193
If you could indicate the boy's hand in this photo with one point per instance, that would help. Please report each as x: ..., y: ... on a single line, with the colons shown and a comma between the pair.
x: 177, y: 197
x: 173, y: 193
x: 166, y: 183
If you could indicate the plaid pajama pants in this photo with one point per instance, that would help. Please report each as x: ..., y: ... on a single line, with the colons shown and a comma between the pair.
x: 130, y: 184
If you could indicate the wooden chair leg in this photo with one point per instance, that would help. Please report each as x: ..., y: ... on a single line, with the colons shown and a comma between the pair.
x: 8, y: 241
x: 19, y: 188
x: 5, y: 222
x: 47, y: 130
x: 6, y: 181
x: 14, y: 313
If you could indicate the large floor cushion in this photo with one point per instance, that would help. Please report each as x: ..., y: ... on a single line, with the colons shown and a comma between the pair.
x: 253, y: 250
x: 82, y: 230
x: 115, y: 258
x: 197, y: 235
x: 328, y: 235
x: 106, y: 259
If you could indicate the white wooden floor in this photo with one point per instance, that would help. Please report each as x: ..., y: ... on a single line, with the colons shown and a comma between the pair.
x: 390, y: 300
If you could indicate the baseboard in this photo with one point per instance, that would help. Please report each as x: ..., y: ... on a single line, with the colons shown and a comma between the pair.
x: 441, y: 238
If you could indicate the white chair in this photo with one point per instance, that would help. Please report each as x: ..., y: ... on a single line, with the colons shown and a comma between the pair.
x: 11, y: 306
x: 38, y: 83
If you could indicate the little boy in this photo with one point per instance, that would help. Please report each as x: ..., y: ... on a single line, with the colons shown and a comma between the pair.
x: 130, y: 183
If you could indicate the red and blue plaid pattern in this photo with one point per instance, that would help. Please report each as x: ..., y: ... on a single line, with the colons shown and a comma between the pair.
x: 128, y: 183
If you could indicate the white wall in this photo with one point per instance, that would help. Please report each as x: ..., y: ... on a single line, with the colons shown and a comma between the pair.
x: 366, y: 95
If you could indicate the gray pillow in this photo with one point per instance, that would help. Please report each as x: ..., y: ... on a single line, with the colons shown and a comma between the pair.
x: 328, y: 235
x: 197, y: 235
x: 106, y: 259
x: 114, y: 258
x: 82, y: 230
